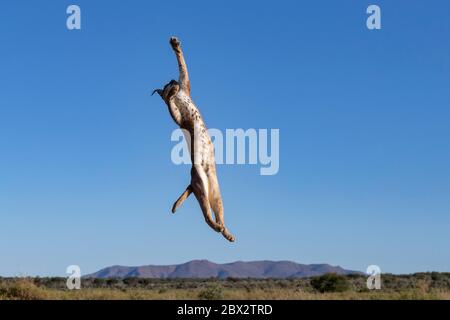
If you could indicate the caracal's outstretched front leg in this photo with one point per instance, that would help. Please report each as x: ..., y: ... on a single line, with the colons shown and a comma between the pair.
x: 183, y: 72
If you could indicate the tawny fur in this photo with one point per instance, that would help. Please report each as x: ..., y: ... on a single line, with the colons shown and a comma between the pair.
x: 204, y: 183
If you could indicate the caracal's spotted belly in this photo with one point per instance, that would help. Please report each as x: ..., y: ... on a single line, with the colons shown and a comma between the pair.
x: 201, y: 147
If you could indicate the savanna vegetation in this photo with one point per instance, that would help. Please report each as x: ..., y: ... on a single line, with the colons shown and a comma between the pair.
x: 416, y: 286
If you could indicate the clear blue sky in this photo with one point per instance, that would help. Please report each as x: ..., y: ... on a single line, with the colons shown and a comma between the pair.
x: 85, y: 170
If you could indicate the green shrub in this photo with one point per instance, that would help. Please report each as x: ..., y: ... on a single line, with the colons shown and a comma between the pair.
x: 330, y: 282
x: 212, y: 292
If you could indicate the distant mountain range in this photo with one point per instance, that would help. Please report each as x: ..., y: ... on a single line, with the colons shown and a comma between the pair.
x: 207, y: 269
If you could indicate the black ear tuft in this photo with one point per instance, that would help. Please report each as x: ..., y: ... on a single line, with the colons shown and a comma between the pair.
x: 158, y: 91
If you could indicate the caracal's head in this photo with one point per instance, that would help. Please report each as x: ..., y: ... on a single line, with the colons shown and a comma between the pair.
x: 169, y: 90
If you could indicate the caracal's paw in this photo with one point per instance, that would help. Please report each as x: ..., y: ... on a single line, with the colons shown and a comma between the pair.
x: 175, y: 43
x: 228, y: 235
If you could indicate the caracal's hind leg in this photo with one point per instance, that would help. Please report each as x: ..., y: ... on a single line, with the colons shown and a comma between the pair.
x: 200, y: 188
x: 215, y: 201
x: 181, y: 199
x: 217, y: 207
x: 204, y: 205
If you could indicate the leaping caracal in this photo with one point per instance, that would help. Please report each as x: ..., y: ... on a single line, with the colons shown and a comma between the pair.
x: 204, y: 183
